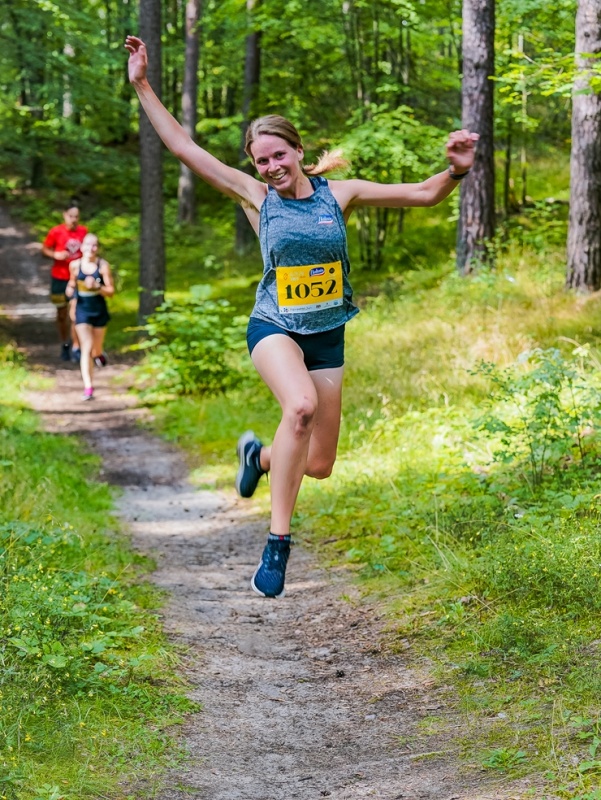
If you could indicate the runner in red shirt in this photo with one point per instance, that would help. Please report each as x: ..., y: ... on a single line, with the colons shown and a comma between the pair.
x: 63, y: 244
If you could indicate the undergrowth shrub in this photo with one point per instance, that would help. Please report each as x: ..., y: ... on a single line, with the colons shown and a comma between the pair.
x: 541, y: 410
x: 541, y: 226
x: 192, y: 347
x: 64, y: 628
x: 10, y: 355
x: 78, y: 659
x: 551, y: 563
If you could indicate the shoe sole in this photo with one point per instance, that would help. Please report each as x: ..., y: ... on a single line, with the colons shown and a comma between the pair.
x: 262, y: 594
x: 246, y: 437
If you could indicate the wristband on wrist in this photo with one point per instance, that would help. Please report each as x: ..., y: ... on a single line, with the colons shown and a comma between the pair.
x: 457, y: 176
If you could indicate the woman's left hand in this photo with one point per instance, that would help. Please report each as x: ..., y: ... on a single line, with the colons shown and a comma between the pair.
x: 460, y: 150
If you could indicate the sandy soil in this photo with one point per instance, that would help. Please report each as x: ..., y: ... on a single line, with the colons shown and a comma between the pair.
x: 301, y: 697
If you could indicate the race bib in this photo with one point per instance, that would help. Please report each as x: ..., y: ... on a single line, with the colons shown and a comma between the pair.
x: 309, y: 288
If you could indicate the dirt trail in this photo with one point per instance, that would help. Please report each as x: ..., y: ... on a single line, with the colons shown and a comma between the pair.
x: 300, y: 699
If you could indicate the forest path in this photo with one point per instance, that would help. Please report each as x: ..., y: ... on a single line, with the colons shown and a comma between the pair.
x: 299, y: 697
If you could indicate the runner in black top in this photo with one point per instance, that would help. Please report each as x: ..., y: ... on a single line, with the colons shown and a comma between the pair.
x: 92, y: 280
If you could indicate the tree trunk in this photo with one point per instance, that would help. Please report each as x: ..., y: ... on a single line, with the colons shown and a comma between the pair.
x: 186, y: 195
x: 584, y: 231
x: 152, y: 247
x: 507, y: 175
x: 245, y: 235
x: 477, y: 206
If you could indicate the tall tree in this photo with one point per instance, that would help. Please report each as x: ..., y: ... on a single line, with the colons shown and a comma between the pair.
x: 584, y: 231
x: 186, y: 195
x: 245, y: 236
x: 152, y: 245
x: 477, y: 204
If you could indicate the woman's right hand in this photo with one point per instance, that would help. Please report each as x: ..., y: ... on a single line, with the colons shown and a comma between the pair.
x: 138, y: 58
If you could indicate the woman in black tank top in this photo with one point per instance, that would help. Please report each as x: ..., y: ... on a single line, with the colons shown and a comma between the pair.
x: 91, y: 282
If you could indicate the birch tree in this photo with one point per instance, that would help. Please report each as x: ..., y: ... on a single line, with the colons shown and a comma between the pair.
x: 477, y: 204
x: 186, y: 196
x: 584, y: 231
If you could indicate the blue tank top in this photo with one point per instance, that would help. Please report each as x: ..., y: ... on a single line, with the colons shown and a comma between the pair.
x: 305, y: 286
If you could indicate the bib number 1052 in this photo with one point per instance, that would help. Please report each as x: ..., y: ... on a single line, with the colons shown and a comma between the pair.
x: 309, y: 288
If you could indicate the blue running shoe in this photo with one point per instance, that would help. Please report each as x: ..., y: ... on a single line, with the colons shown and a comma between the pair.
x: 66, y: 352
x: 75, y: 355
x: 269, y: 577
x: 249, y: 471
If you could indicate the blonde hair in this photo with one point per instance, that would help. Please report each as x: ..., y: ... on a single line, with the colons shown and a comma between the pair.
x: 275, y: 125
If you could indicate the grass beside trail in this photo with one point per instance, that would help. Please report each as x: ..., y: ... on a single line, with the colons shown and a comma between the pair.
x: 89, y: 692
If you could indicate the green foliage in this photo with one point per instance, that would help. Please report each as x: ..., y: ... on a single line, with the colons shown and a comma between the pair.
x: 504, y: 759
x: 391, y: 145
x: 86, y: 683
x: 542, y: 414
x: 65, y: 630
x: 545, y: 563
x: 192, y: 347
x: 541, y: 227
x: 534, y: 68
x: 58, y: 103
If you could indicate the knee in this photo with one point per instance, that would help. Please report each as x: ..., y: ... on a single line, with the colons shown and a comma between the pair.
x: 319, y: 469
x: 301, y: 416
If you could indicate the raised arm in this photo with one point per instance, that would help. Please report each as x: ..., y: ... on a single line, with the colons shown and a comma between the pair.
x: 232, y: 182
x: 460, y: 153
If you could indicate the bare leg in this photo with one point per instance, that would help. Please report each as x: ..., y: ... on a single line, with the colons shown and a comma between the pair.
x: 85, y: 334
x: 324, y: 438
x: 62, y: 323
x: 98, y: 335
x: 306, y: 439
x: 74, y: 339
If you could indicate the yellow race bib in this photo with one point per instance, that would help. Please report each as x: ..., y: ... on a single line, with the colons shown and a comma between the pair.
x: 309, y: 288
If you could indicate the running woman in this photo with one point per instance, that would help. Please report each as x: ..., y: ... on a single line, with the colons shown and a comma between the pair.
x: 92, y: 282
x: 304, y: 300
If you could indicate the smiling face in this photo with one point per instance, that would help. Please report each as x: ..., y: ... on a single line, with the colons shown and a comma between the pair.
x: 278, y: 163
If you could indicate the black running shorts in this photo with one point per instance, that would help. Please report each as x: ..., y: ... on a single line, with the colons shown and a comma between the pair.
x: 323, y: 350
